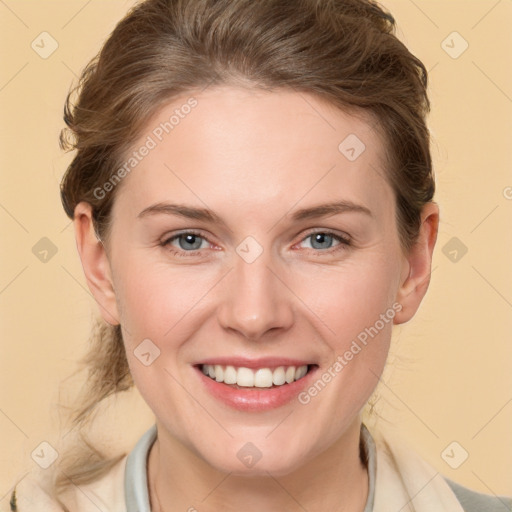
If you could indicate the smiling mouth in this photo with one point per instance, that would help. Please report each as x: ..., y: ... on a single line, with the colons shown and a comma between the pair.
x: 247, y: 378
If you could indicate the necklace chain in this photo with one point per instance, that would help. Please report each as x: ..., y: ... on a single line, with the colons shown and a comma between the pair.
x: 157, y: 498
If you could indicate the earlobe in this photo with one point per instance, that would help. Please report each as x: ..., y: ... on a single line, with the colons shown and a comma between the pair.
x: 414, y: 284
x: 95, y: 263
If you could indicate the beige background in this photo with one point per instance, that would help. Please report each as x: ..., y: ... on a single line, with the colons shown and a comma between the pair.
x: 451, y: 378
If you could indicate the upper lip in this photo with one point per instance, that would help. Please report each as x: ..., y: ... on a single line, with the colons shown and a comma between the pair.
x: 262, y: 362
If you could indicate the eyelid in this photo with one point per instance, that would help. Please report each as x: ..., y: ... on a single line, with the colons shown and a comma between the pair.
x: 198, y: 232
x: 326, y: 231
x: 345, y: 241
x: 166, y: 240
x: 201, y: 234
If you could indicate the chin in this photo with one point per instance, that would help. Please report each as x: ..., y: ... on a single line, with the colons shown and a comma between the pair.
x: 259, y: 469
x: 245, y: 459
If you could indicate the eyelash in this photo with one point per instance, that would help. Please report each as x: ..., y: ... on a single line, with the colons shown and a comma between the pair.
x: 344, y: 243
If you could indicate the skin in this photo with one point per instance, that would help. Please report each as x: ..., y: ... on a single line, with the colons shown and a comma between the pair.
x: 254, y: 158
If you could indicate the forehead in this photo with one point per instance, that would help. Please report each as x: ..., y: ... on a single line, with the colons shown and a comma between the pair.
x: 251, y: 147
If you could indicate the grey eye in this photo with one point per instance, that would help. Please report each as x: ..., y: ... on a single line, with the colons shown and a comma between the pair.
x: 189, y: 241
x: 321, y: 240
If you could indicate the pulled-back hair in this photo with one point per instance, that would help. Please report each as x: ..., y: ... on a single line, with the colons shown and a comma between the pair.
x: 343, y: 51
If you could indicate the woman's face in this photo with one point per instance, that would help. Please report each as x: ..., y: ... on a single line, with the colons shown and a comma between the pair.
x: 264, y: 275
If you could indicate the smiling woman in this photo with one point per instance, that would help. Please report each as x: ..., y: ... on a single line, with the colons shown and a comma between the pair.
x: 251, y: 266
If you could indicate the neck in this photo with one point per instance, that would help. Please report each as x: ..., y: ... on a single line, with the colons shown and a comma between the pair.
x: 335, y: 479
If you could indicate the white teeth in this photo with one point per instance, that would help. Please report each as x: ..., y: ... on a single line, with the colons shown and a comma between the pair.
x: 219, y: 373
x: 230, y: 375
x: 290, y: 374
x: 263, y: 378
x: 301, y: 371
x: 245, y: 377
x: 260, y: 378
x: 279, y: 376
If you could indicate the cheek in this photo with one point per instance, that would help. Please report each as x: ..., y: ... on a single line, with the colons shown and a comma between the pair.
x: 163, y: 302
x: 351, y: 297
x: 355, y: 307
x: 356, y: 312
x: 155, y: 301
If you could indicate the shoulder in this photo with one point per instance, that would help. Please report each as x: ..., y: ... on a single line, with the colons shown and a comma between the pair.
x: 30, y: 494
x: 400, y: 472
x: 106, y: 494
x: 473, y: 501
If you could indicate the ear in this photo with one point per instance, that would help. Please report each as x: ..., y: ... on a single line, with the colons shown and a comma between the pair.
x: 417, y: 265
x: 95, y: 263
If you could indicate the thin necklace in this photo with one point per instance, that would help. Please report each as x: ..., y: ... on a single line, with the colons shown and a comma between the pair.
x: 159, y: 505
x: 152, y: 486
x: 157, y: 499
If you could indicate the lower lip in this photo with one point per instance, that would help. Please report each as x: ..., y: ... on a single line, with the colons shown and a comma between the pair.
x: 256, y: 399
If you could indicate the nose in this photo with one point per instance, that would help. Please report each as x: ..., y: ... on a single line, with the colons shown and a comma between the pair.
x: 256, y: 299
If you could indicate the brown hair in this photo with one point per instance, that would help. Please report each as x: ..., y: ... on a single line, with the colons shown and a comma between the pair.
x: 343, y: 51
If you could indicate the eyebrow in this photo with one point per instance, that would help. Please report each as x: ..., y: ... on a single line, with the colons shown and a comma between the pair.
x: 181, y: 210
x: 329, y: 209
x: 204, y: 214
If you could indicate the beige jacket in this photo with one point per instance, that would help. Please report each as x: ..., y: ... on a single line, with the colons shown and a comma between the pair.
x: 403, y: 482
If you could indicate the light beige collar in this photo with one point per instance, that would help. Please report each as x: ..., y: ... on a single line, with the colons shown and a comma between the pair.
x: 406, y: 483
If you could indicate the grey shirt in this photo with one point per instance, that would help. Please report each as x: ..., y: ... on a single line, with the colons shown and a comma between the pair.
x: 137, y: 497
